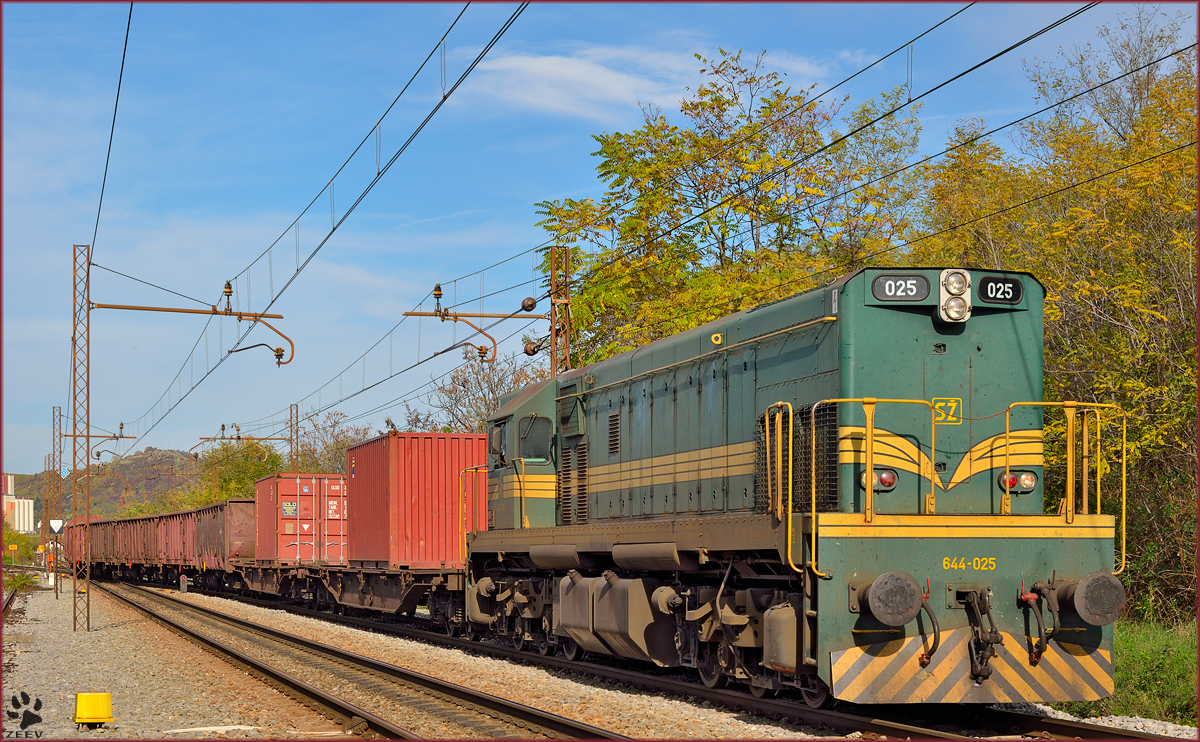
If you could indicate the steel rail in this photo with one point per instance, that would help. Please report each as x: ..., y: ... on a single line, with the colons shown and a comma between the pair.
x: 560, y: 726
x: 8, y: 600
x: 962, y: 715
x: 772, y: 708
x: 356, y: 720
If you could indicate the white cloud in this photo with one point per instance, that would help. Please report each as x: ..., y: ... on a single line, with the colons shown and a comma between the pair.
x: 572, y: 85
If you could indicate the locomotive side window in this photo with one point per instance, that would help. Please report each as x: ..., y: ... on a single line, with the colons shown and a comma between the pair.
x: 1000, y: 290
x: 535, y: 433
x: 900, y: 287
x: 496, y: 443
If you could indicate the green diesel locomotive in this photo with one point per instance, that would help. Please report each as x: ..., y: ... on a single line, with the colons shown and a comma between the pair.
x: 841, y: 492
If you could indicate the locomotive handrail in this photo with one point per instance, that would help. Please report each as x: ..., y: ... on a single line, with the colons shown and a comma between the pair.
x: 868, y: 404
x: 462, y: 503
x: 1070, y: 408
x: 693, y: 359
x: 776, y: 501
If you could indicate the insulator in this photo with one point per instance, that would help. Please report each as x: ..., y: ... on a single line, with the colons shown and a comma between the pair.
x: 437, y: 291
x: 528, y: 304
x: 228, y: 289
x: 531, y: 348
x: 278, y: 355
x: 483, y: 351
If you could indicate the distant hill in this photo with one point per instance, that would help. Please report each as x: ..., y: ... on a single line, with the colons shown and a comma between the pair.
x: 134, y: 476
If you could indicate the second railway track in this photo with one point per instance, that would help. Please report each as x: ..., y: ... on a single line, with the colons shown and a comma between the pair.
x: 376, y: 698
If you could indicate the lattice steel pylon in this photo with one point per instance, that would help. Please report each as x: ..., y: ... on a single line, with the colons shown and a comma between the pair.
x: 56, y: 478
x: 44, y: 532
x: 560, y: 309
x: 294, y: 435
x: 80, y: 388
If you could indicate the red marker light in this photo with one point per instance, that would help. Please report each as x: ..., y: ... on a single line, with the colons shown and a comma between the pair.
x: 1008, y: 480
x: 887, y: 478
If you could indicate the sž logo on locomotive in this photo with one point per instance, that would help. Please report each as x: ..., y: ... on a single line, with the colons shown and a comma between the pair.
x: 900, y: 287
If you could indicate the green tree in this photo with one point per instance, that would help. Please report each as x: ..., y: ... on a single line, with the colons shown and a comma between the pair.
x: 463, y: 402
x: 323, y: 444
x: 753, y: 190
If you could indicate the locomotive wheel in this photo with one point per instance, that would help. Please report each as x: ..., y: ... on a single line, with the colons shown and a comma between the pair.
x: 760, y: 692
x: 518, y: 638
x: 546, y: 649
x: 473, y: 635
x: 709, y: 667
x: 817, y: 696
x: 571, y: 650
x: 453, y: 630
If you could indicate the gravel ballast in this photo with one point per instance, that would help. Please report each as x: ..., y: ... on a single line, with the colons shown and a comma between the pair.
x: 162, y: 686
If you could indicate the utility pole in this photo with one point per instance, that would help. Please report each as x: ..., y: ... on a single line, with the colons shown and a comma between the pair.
x: 80, y: 405
x: 294, y: 435
x: 560, y: 310
x: 56, y: 477
x: 48, y: 475
x: 80, y: 388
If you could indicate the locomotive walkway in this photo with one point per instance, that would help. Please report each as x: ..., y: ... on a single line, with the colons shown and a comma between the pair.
x: 343, y: 685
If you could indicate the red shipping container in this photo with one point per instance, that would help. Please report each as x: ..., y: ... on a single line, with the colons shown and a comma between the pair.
x: 412, y: 499
x: 301, y: 518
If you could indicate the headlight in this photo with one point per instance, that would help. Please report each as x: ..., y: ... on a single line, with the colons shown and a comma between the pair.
x: 956, y: 308
x: 956, y: 283
x: 1028, y: 480
x: 883, y: 479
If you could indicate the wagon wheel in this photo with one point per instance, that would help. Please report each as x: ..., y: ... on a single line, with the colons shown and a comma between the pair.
x: 473, y: 636
x: 453, y: 630
x: 571, y: 650
x: 709, y: 667
x: 546, y: 649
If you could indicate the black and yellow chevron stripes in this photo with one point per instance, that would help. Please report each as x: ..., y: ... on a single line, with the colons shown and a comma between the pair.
x: 890, y: 672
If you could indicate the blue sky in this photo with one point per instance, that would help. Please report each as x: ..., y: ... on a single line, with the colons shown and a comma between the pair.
x: 233, y: 117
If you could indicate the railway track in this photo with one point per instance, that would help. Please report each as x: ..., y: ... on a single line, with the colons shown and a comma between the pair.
x: 403, y: 702
x: 942, y: 721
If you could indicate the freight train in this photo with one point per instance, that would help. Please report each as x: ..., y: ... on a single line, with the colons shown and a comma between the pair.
x: 841, y: 493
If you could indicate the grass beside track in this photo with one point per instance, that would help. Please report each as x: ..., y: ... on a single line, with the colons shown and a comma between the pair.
x: 19, y: 581
x: 1155, y: 674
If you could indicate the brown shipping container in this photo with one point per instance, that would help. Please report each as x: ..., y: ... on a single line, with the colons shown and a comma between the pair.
x: 225, y: 534
x: 301, y: 518
x: 411, y: 503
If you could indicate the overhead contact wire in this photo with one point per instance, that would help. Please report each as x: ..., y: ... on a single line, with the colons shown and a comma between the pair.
x: 112, y: 131
x: 496, y: 38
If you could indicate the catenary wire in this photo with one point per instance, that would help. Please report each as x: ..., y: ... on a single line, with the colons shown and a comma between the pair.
x: 964, y: 143
x: 383, y: 171
x: 204, y: 330
x: 112, y: 131
x: 152, y: 285
x: 545, y: 244
x: 925, y: 237
x: 841, y: 138
x: 754, y: 130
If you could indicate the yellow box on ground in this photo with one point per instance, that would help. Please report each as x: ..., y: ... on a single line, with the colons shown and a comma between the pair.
x: 93, y: 708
